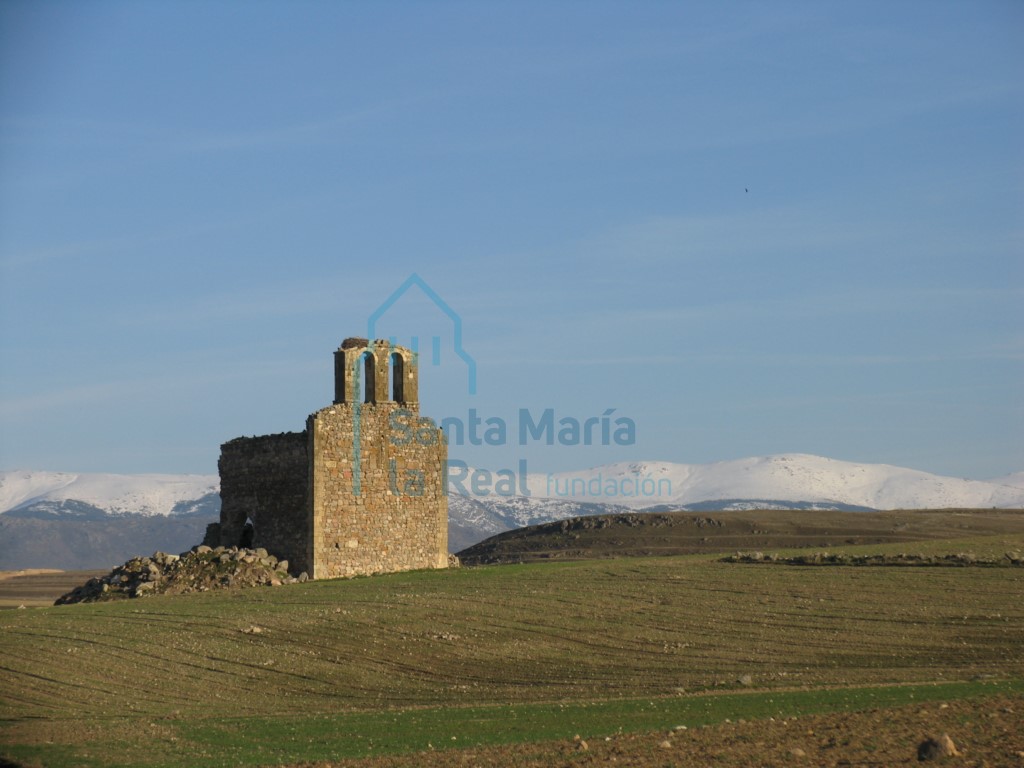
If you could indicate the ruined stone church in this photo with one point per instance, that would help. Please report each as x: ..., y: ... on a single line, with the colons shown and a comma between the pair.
x: 360, y: 491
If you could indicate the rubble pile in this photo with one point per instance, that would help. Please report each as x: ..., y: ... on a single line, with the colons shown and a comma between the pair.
x: 199, y: 570
x: 959, y: 559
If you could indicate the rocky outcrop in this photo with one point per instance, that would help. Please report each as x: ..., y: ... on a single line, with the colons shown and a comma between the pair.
x: 959, y: 559
x: 199, y: 570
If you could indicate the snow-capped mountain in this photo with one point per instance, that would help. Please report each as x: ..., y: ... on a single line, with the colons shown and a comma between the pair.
x: 86, y: 512
x: 113, y: 494
x: 1015, y: 480
x: 780, y: 478
x: 77, y: 521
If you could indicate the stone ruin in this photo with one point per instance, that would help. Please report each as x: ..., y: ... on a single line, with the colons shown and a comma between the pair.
x: 362, y: 490
x: 199, y: 570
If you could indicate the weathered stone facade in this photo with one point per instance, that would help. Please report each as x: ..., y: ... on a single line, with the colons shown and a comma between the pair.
x: 360, y: 491
x: 266, y: 480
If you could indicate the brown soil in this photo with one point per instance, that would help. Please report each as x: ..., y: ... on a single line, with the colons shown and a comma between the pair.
x: 35, y: 587
x: 27, y: 572
x: 686, y: 533
x: 986, y: 731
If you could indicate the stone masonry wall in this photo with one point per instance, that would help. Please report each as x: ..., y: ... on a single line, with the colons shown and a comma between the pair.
x: 398, y: 520
x: 361, y: 491
x: 267, y: 479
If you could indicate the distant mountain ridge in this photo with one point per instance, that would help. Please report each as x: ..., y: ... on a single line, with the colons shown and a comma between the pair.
x: 150, y: 494
x: 79, y: 521
x: 792, y: 477
x: 40, y: 506
x: 1016, y: 480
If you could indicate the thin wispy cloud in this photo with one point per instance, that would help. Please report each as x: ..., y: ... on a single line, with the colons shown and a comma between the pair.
x: 303, y: 134
x: 120, y: 390
x: 712, y: 196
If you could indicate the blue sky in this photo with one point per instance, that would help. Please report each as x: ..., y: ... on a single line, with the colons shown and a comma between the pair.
x: 752, y: 228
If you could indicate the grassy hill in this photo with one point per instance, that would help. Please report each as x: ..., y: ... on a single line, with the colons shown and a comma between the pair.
x: 640, y: 535
x: 682, y: 533
x: 477, y: 656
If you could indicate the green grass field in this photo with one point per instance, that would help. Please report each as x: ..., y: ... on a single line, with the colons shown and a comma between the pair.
x: 395, y: 663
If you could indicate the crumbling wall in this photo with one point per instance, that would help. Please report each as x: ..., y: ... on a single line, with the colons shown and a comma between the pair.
x: 361, y: 491
x: 266, y: 479
x: 397, y: 519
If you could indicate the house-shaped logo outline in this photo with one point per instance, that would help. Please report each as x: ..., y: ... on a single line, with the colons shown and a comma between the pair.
x: 415, y: 279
